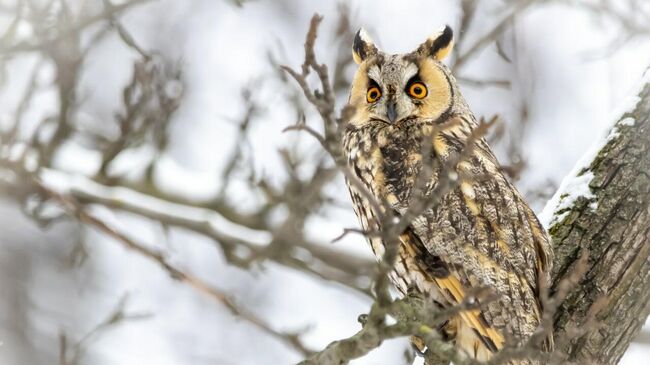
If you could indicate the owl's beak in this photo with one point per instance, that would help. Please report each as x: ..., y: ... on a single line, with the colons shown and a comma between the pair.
x: 391, y: 111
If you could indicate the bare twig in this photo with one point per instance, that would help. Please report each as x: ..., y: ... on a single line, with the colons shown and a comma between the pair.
x: 74, y: 209
x: 71, y: 29
x: 117, y: 316
x: 491, y: 35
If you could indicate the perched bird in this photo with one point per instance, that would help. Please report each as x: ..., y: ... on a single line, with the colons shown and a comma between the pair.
x: 406, y: 113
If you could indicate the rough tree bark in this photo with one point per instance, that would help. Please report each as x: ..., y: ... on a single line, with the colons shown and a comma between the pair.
x: 612, y: 222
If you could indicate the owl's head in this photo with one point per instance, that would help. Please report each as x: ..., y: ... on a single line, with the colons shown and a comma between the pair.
x: 395, y: 89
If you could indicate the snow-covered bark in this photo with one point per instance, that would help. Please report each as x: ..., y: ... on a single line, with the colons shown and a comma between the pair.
x: 603, y: 207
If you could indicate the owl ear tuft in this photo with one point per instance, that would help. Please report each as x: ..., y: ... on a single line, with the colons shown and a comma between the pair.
x: 439, y: 44
x: 363, y: 47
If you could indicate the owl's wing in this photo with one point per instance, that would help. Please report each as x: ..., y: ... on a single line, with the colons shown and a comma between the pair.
x: 452, y: 284
x: 488, y: 237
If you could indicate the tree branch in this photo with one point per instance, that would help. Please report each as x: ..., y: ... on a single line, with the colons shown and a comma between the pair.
x: 603, y: 206
x: 73, y: 208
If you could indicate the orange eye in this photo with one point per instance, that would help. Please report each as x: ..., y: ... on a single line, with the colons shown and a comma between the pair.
x: 373, y: 94
x: 417, y: 90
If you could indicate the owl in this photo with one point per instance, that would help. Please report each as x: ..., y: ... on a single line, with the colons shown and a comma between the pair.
x: 407, y: 117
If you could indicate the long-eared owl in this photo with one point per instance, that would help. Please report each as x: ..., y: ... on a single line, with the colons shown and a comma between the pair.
x: 480, y: 233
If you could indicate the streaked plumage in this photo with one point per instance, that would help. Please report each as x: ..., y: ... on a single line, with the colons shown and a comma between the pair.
x: 481, y: 233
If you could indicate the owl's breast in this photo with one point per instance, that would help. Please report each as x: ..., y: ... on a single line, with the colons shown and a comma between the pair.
x: 400, y: 162
x: 388, y: 160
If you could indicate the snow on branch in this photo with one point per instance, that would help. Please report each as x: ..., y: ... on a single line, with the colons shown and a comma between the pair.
x: 576, y: 184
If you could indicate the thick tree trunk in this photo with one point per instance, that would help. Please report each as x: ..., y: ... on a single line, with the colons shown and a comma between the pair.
x: 605, y: 208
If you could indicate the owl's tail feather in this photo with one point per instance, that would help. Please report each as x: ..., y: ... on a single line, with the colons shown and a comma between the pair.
x: 473, y: 319
x: 472, y: 343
